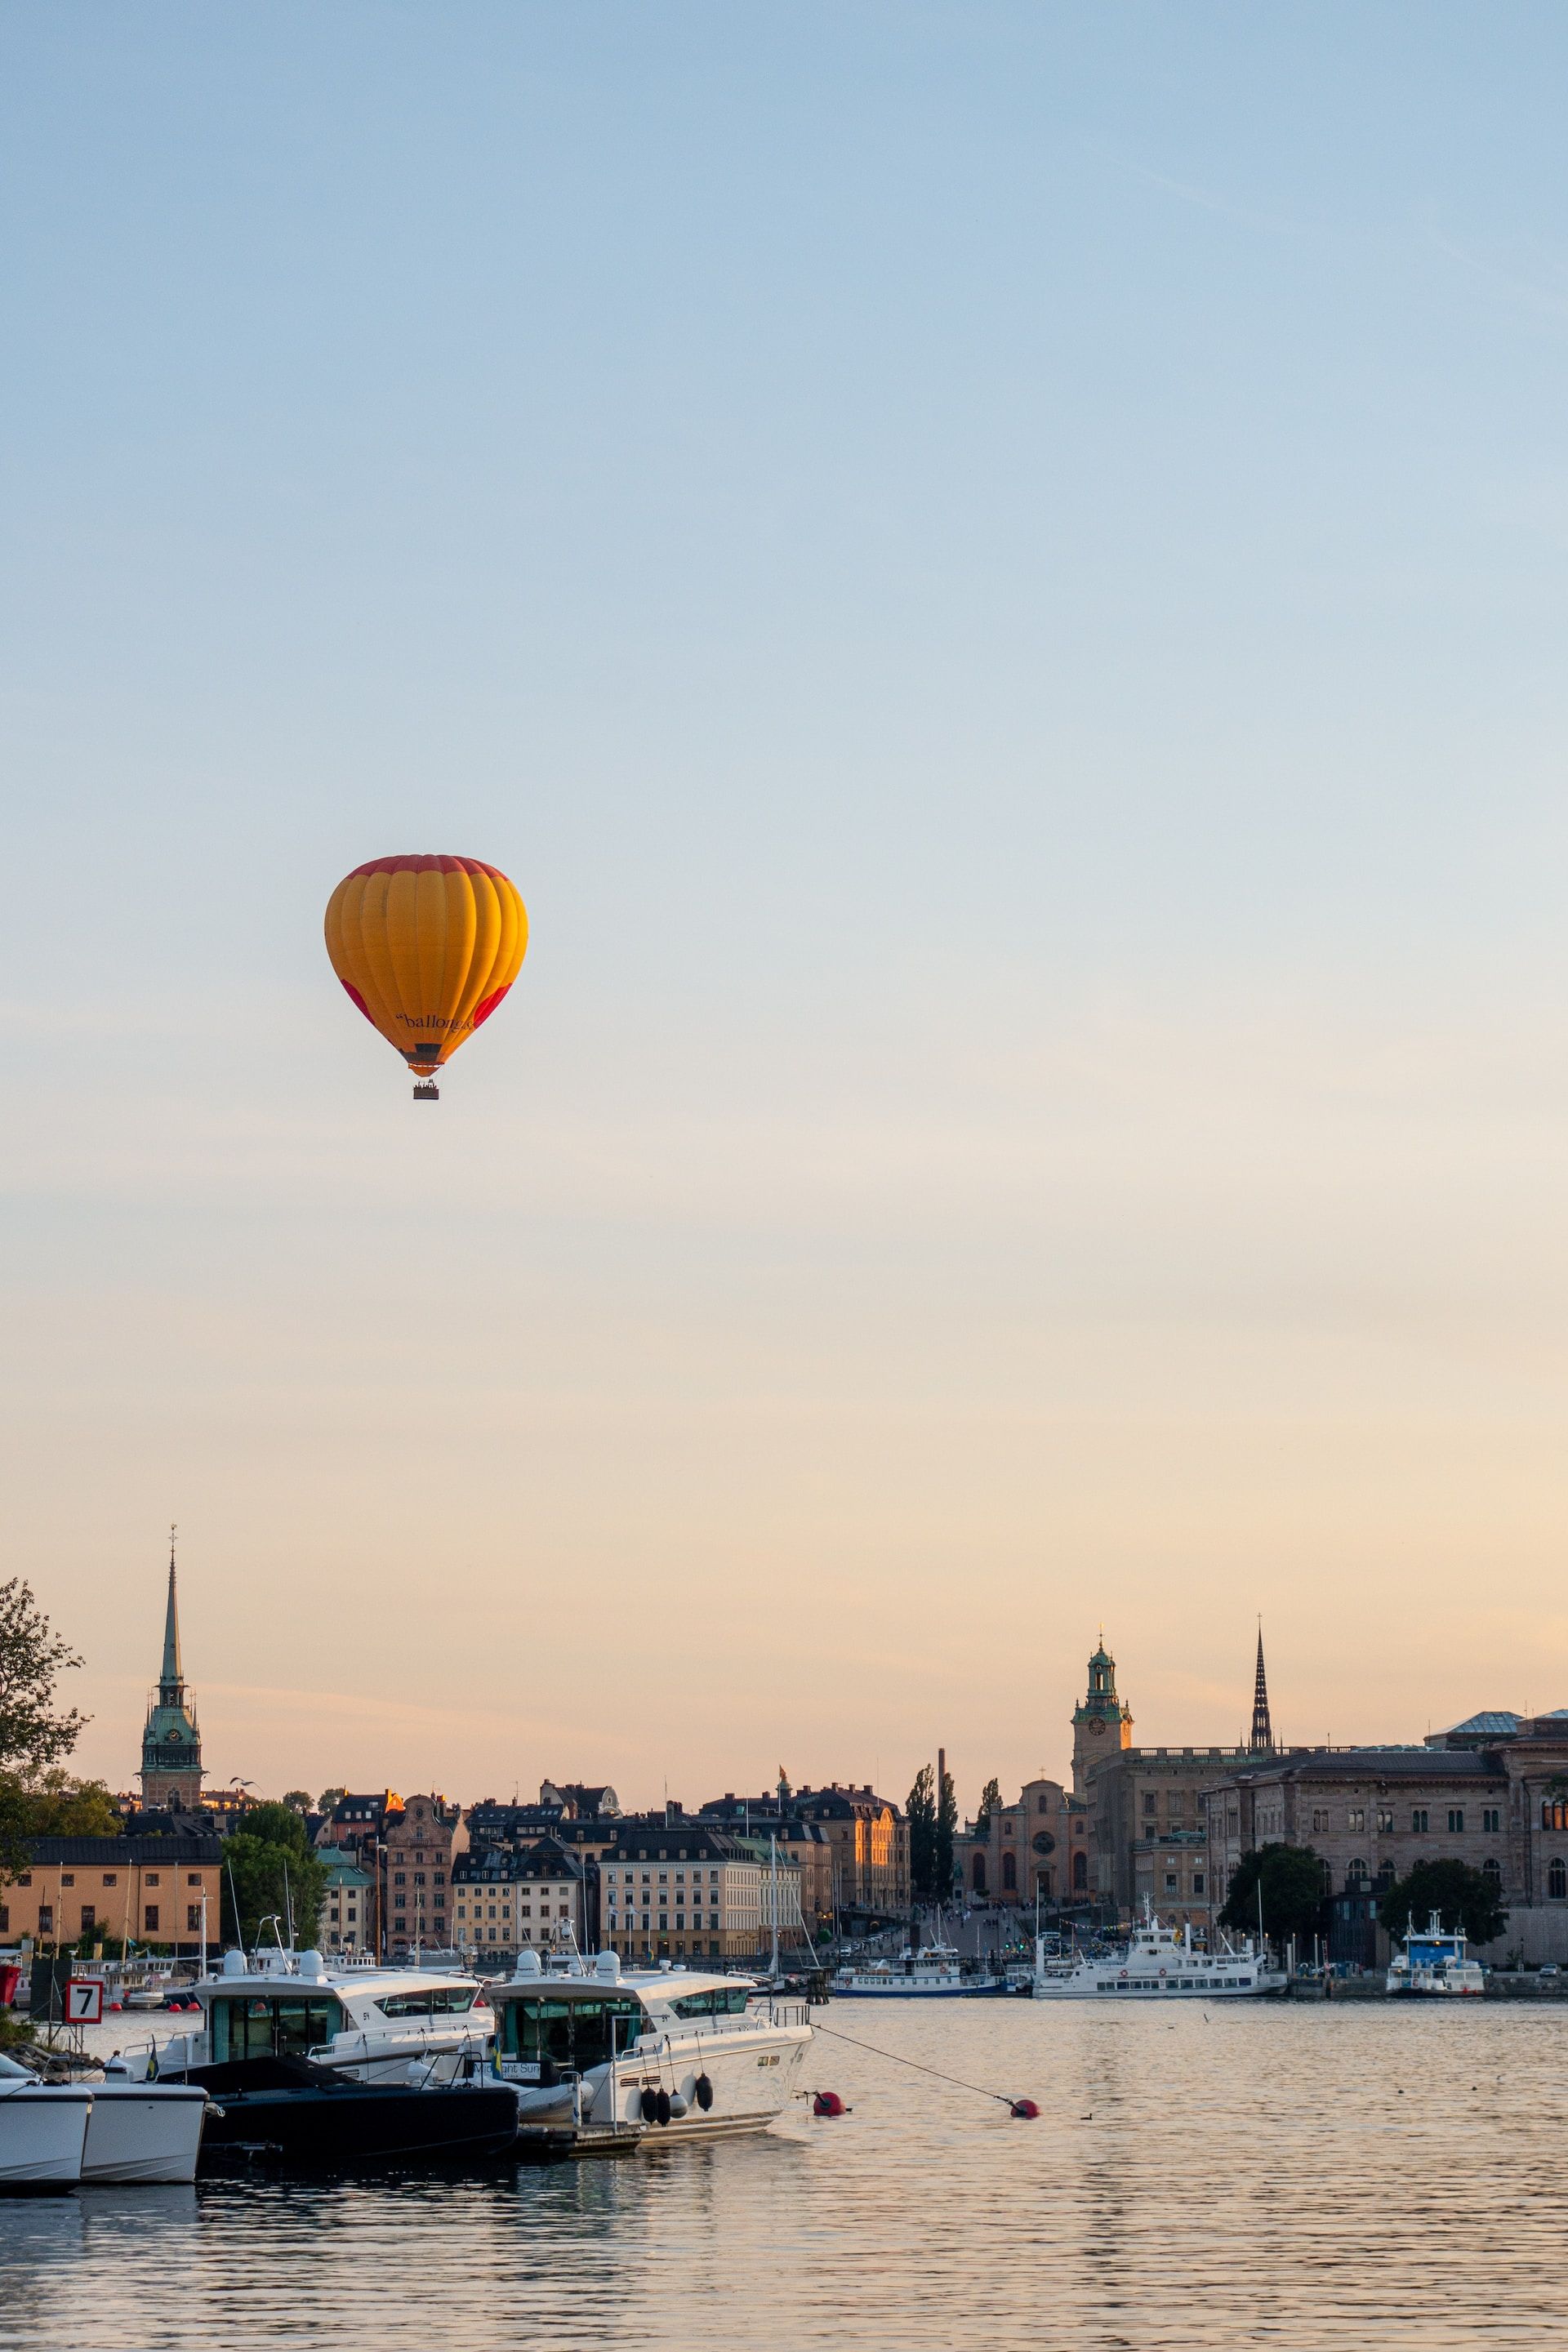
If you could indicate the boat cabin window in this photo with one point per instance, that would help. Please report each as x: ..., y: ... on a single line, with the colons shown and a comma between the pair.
x: 432, y: 2001
x: 264, y: 2025
x: 724, y: 2000
x: 577, y: 2033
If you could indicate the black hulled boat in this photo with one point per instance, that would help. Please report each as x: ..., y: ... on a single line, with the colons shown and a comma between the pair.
x: 295, y: 2115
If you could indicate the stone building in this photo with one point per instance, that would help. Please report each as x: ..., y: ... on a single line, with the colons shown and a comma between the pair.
x: 674, y: 1889
x: 1492, y: 1792
x: 155, y: 1890
x: 172, y: 1741
x: 347, y: 1923
x: 1036, y: 1847
x: 581, y: 1800
x: 805, y: 1843
x: 1148, y: 1828
x: 869, y: 1837
x: 421, y: 1841
x: 508, y: 1898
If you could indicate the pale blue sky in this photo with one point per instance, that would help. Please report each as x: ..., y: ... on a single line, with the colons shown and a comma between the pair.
x: 995, y: 575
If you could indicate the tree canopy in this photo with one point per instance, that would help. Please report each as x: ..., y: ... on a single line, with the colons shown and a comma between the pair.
x: 269, y: 1867
x: 989, y: 1805
x: 1461, y: 1898
x: 34, y: 1731
x: 922, y: 1836
x: 1293, y: 1888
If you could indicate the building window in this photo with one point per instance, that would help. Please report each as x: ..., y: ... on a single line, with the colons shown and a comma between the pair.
x: 1045, y: 1805
x: 1456, y: 1820
x: 1151, y: 1804
x: 1356, y: 1819
x: 1557, y: 1879
x: 111, y: 1878
x: 150, y: 1878
x: 1320, y: 1817
x: 46, y: 1918
x: 1197, y: 1882
x: 1418, y: 1821
x: 977, y: 1873
x: 1172, y: 1883
x: 4, y: 1918
x: 1385, y: 1820
x: 1491, y: 1817
x: 67, y: 1878
x: 1009, y: 1873
x: 1553, y: 1816
x: 1491, y: 1869
x: 1356, y: 1873
x: 88, y: 1918
x: 1081, y: 1873
x: 150, y: 1919
x: 193, y: 1917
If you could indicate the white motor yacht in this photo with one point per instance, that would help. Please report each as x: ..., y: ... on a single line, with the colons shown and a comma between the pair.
x: 1154, y: 1966
x: 108, y: 2133
x: 1436, y: 1965
x: 43, y: 2130
x: 376, y: 2024
x: 588, y: 2049
x: 935, y: 1972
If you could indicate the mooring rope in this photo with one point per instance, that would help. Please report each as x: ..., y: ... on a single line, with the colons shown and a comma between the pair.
x: 895, y: 2059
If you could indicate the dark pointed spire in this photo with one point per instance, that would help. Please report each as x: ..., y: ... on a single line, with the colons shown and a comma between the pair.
x: 1262, y: 1741
x: 171, y: 1682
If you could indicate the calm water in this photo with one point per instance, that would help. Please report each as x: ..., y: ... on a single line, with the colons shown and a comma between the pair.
x: 1283, y: 2175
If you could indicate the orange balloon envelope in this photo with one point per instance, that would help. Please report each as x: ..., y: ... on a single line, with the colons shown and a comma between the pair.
x: 426, y: 947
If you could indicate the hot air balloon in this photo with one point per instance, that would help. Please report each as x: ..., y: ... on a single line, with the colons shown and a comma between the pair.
x: 426, y: 947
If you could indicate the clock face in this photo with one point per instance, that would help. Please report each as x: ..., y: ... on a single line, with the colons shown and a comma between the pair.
x: 1096, y: 1726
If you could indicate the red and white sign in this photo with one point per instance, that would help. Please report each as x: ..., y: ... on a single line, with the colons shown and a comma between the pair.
x: 84, y: 2000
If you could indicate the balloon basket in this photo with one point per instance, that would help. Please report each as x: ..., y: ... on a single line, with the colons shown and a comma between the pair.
x: 426, y: 1090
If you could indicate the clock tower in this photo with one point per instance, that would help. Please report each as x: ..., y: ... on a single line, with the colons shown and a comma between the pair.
x: 1103, y: 1723
x: 172, y: 1742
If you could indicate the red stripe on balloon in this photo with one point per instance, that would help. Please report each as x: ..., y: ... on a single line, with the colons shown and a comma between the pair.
x: 359, y: 1000
x: 482, y: 1011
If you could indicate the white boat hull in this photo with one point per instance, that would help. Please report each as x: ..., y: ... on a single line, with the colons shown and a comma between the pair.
x: 1267, y: 1981
x: 969, y: 1988
x: 43, y: 2131
x: 144, y: 2133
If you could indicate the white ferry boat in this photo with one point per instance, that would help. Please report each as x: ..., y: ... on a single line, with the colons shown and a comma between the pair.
x: 667, y: 2053
x: 1434, y: 1965
x: 934, y: 1972
x: 376, y: 2024
x: 1155, y: 1966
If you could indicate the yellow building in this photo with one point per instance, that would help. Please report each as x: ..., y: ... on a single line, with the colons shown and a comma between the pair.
x: 144, y: 1890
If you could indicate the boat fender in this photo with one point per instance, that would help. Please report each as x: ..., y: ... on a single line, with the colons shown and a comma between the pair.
x: 703, y: 2090
x: 677, y: 2106
x: 829, y: 2103
x: 661, y: 2107
x: 649, y: 2107
x: 1024, y: 2109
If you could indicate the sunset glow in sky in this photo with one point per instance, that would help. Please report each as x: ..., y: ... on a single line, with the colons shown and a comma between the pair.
x: 997, y: 577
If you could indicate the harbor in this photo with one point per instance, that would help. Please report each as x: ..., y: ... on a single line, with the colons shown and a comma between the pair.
x: 1172, y: 2147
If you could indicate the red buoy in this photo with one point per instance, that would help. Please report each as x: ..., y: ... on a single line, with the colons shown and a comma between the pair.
x: 829, y: 2103
x: 1024, y: 2109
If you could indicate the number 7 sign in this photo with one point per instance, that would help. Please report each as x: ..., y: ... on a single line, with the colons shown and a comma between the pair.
x: 84, y: 2001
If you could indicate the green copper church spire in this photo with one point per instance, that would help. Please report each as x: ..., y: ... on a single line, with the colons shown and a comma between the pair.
x: 171, y: 1682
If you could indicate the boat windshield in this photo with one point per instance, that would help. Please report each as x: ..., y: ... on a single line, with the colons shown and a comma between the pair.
x: 724, y: 2000
x: 265, y: 2025
x: 580, y: 2033
x: 430, y: 2000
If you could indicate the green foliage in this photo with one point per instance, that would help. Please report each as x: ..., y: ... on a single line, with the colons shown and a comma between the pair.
x: 990, y: 1806
x: 297, y: 1800
x: 1294, y: 1889
x: 329, y: 1797
x: 942, y: 1844
x: 34, y: 1732
x: 269, y: 1866
x: 923, y: 1885
x: 52, y: 1805
x: 1460, y: 1895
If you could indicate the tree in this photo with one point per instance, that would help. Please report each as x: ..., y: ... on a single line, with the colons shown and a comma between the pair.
x: 298, y: 1800
x: 989, y: 1805
x: 271, y: 1868
x: 329, y: 1797
x: 1293, y: 1885
x: 35, y: 1733
x: 941, y: 1847
x: 922, y: 1836
x: 1460, y: 1895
